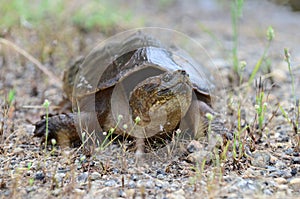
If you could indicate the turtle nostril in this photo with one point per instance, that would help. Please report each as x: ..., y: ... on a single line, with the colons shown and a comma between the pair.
x: 183, y: 72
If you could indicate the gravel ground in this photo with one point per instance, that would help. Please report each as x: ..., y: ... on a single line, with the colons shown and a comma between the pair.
x: 267, y: 163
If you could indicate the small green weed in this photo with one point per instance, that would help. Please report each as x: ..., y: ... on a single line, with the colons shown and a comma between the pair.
x: 199, y: 169
x: 108, y: 135
x: 287, y: 58
x: 270, y: 37
x: 237, y: 149
x: 46, y: 105
x: 11, y: 96
x: 260, y: 106
x: 7, y: 113
x: 294, y: 120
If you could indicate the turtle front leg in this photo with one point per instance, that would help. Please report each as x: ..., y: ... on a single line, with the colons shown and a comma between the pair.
x: 197, y: 120
x: 61, y: 127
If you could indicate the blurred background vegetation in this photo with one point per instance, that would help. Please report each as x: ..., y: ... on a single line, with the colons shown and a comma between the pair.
x: 102, y: 14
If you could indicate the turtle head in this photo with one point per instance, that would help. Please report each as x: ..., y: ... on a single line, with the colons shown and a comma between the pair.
x: 173, y: 83
x: 161, y: 101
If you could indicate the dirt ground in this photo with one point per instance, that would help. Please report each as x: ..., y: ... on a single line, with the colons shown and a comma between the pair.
x: 252, y: 161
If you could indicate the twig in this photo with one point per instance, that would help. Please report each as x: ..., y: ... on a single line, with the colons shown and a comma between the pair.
x: 56, y: 81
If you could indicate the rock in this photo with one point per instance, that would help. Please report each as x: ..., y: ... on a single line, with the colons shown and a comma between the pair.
x: 260, y: 159
x: 294, y: 171
x: 279, y: 75
x: 122, y: 193
x: 280, y: 165
x: 194, y: 146
x: 115, y: 171
x: 95, y: 176
x: 175, y: 185
x: 161, y: 184
x: 131, y: 184
x: 79, y: 192
x: 82, y: 177
x: 18, y: 150
x: 56, y: 192
x: 130, y: 193
x: 198, y: 157
x: 245, y: 185
x: 148, y: 184
x: 161, y: 176
x: 177, y: 194
x: 39, y: 175
x: 296, y: 160
x: 60, y: 177
x: 30, y: 189
x: 295, y: 183
x: 283, y: 187
x: 134, y: 177
x: 280, y: 180
x: 289, y: 151
x: 160, y: 171
x: 63, y: 170
x: 110, y: 183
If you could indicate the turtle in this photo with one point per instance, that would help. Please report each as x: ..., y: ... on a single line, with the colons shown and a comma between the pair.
x: 135, y: 87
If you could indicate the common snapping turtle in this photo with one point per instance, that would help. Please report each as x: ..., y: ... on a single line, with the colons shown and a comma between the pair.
x: 136, y: 87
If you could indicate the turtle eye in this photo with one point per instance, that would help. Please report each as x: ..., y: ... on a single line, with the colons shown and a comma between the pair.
x: 167, y: 77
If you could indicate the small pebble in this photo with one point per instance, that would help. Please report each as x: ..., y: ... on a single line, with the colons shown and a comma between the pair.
x: 134, y: 177
x: 160, y: 171
x: 131, y: 184
x: 280, y: 165
x: 83, y: 177
x: 194, y: 146
x: 296, y: 154
x: 79, y: 192
x: 268, y: 192
x: 271, y: 168
x: 294, y: 171
x: 59, y: 177
x: 279, y: 75
x: 260, y: 159
x: 282, y: 187
x: 149, y: 184
x: 115, y: 171
x: 179, y: 194
x: 289, y: 151
x: 122, y: 193
x: 30, y: 189
x: 175, y: 186
x: 197, y: 157
x: 295, y: 183
x: 62, y: 170
x: 161, y: 184
x: 95, y: 176
x: 161, y: 176
x: 130, y: 193
x: 39, y: 175
x: 56, y: 192
x: 296, y: 160
x: 280, y: 180
x: 110, y: 183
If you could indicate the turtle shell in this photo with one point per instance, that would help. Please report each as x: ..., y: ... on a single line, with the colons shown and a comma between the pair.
x: 136, y: 54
